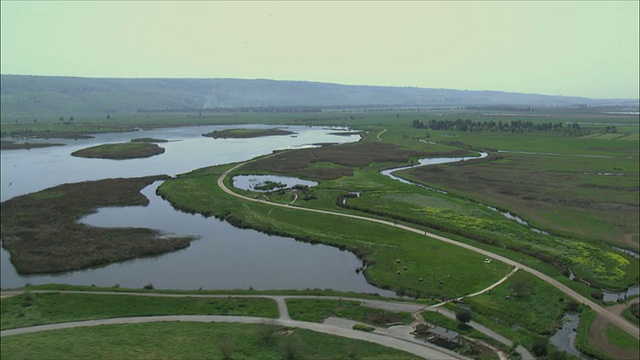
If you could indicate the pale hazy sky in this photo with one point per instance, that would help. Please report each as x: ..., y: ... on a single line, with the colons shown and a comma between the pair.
x: 583, y: 48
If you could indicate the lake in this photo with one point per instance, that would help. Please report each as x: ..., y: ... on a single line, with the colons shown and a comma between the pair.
x: 223, y: 257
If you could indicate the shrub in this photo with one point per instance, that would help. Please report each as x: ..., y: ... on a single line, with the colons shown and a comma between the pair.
x: 539, y: 347
x: 464, y: 315
x: 597, y: 294
x: 363, y: 327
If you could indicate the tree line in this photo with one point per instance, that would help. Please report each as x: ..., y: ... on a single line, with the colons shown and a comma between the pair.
x: 516, y: 126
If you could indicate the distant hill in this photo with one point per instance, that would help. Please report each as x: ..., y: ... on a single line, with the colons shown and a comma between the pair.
x: 65, y: 96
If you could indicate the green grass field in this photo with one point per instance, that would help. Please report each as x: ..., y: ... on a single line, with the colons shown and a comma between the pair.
x: 30, y: 308
x: 190, y: 341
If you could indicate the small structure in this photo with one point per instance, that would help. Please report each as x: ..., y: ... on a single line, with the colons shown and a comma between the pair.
x: 445, y: 334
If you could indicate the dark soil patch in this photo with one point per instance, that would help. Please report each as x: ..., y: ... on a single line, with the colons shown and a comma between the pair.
x: 122, y: 151
x: 41, y: 233
x: 246, y: 133
x: 10, y: 145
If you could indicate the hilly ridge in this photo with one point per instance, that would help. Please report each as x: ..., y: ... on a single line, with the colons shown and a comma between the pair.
x: 23, y: 95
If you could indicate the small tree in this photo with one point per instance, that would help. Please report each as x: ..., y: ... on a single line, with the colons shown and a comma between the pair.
x: 521, y: 287
x: 464, y: 315
x: 539, y: 347
x: 108, y: 116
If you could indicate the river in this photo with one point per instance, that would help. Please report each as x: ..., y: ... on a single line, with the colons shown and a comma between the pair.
x: 223, y: 257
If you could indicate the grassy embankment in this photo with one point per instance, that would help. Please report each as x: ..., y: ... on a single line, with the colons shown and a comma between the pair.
x: 41, y: 232
x: 182, y: 340
x: 31, y: 308
x: 122, y: 151
x: 317, y: 310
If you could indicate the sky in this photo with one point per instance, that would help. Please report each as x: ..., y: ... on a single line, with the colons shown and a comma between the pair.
x: 577, y: 48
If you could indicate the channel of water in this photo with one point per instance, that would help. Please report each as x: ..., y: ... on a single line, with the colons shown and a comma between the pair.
x: 445, y: 160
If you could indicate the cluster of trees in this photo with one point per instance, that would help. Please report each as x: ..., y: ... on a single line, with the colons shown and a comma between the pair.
x: 516, y: 126
x: 258, y: 109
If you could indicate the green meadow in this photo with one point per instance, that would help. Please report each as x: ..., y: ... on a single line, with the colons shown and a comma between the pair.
x: 184, y: 340
x: 32, y: 308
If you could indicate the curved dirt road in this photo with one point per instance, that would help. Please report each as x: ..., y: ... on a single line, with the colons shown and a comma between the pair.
x: 613, y: 318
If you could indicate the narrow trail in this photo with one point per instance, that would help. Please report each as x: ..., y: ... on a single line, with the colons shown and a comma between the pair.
x: 615, y: 319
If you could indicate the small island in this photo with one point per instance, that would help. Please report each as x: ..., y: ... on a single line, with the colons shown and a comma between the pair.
x: 246, y: 133
x: 121, y: 151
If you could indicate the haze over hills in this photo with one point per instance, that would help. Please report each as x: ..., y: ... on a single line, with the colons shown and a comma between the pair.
x: 23, y: 95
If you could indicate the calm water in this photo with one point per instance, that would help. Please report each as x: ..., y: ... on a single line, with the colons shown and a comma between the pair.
x: 249, y: 182
x: 565, y: 338
x: 223, y: 257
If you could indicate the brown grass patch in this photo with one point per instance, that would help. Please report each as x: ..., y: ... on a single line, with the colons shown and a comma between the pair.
x: 344, y: 157
x: 41, y: 233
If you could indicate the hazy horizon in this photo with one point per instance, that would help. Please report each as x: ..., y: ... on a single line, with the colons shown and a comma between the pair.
x: 586, y: 49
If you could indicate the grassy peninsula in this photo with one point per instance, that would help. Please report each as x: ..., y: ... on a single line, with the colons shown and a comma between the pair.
x: 246, y: 133
x: 41, y: 232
